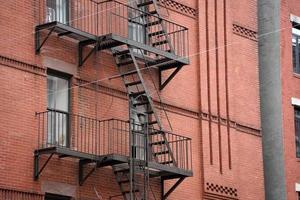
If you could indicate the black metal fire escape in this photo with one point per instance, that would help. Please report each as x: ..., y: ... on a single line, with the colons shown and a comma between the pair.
x: 151, y: 152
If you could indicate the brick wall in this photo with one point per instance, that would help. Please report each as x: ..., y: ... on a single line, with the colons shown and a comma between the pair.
x: 206, y: 104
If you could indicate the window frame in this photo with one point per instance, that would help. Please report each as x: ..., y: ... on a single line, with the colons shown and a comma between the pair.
x: 61, y: 14
x: 297, y: 129
x: 62, y: 75
x: 296, y: 55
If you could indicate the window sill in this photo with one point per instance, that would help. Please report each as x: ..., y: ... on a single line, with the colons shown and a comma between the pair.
x: 296, y: 75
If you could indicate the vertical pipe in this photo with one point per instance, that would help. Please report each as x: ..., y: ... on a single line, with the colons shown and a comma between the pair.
x: 208, y: 83
x: 218, y: 87
x: 226, y: 84
x: 271, y: 99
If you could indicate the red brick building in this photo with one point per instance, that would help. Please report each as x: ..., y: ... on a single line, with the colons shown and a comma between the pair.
x: 71, y: 120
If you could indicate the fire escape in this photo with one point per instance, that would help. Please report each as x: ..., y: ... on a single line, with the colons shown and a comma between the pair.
x: 140, y: 40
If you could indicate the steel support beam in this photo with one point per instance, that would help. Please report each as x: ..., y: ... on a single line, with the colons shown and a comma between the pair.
x: 81, y: 45
x: 37, y: 36
x: 37, y: 170
x: 164, y: 196
x: 162, y: 84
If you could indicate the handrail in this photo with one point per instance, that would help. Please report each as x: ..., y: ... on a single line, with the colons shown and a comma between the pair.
x: 109, y: 136
x: 112, y: 17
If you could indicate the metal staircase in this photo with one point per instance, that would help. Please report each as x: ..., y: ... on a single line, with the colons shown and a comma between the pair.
x: 145, y: 123
x: 142, y: 114
x: 155, y: 30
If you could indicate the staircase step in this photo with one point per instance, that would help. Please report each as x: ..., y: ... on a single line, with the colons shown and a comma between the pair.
x: 144, y: 3
x: 161, y: 153
x: 158, y: 61
x: 156, y: 33
x: 155, y: 132
x: 125, y: 62
x: 166, y: 65
x: 148, y: 13
x: 136, y: 94
x: 158, y: 143
x: 160, y: 43
x: 153, y: 122
x: 129, y: 73
x: 153, y: 23
x: 166, y: 162
x: 133, y: 83
x: 141, y: 103
x: 147, y: 112
x: 120, y: 53
x: 128, y: 191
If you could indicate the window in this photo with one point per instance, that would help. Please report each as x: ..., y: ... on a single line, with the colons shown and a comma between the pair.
x: 58, y: 109
x: 297, y: 130
x: 136, y: 27
x: 56, y: 197
x: 296, y: 50
x: 57, y: 10
x: 138, y: 134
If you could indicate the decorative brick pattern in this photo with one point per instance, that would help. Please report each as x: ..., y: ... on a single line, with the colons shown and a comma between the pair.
x: 221, y: 190
x: 179, y: 7
x: 7, y: 194
x: 244, y: 32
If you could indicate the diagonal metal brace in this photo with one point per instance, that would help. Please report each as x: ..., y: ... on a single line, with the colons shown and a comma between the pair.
x: 165, y: 196
x: 82, y: 177
x: 39, y: 45
x: 38, y: 171
x: 162, y: 85
x: 81, y: 45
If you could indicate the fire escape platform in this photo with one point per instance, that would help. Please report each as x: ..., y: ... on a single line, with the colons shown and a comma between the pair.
x: 104, y: 42
x: 155, y: 169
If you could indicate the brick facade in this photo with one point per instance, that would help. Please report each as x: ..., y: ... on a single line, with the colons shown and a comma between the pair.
x: 211, y: 104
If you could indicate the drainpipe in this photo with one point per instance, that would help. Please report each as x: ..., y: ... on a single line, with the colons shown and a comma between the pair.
x: 271, y: 99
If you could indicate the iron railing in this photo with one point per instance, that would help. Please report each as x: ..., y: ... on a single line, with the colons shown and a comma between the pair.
x: 125, y: 20
x: 112, y: 136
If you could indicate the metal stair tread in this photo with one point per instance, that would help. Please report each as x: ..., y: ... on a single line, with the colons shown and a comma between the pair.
x: 133, y: 83
x: 149, y: 13
x: 166, y: 162
x: 141, y: 103
x: 160, y: 42
x: 129, y: 73
x: 119, y: 53
x: 136, y: 94
x: 156, y: 33
x: 158, y: 142
x: 161, y: 153
x: 153, y: 23
x: 145, y: 3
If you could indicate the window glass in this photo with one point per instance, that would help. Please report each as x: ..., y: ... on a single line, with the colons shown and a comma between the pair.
x: 58, y: 93
x: 297, y: 131
x: 57, y: 10
x: 296, y: 49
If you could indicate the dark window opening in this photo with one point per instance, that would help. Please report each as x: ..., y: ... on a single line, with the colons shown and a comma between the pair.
x: 297, y: 131
x: 56, y: 197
